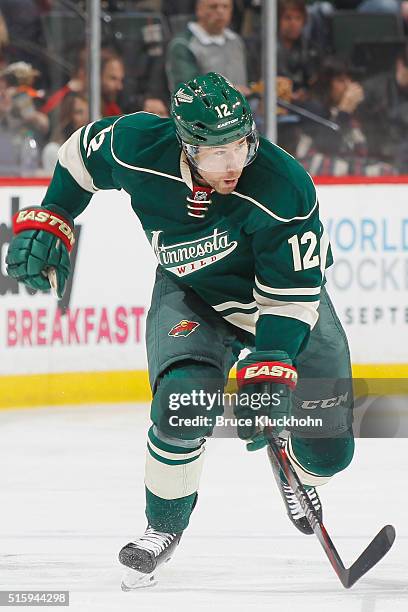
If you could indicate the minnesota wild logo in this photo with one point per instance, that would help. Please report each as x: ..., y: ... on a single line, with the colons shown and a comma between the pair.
x: 186, y: 257
x: 182, y: 96
x: 184, y: 328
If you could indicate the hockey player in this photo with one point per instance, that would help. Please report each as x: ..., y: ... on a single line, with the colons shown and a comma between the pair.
x: 234, y: 223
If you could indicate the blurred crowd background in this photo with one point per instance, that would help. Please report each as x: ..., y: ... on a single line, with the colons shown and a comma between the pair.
x: 342, y: 74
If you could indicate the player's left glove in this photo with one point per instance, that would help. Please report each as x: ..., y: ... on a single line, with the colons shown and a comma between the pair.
x: 266, y: 380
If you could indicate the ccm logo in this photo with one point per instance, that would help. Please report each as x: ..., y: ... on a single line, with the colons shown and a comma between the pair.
x: 276, y: 371
x: 331, y: 402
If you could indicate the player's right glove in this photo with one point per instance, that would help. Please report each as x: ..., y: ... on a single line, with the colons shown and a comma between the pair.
x: 266, y: 380
x: 42, y: 242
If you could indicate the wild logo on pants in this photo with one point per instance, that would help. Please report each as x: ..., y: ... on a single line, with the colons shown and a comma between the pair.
x: 184, y: 328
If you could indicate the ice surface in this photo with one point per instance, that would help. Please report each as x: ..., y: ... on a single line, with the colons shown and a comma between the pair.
x: 72, y: 494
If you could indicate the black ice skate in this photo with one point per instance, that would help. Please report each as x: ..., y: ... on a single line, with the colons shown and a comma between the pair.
x: 293, y: 507
x: 145, y: 555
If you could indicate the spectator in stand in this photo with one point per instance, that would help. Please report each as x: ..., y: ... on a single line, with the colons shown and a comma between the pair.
x: 9, y: 148
x: 4, y: 41
x: 76, y: 84
x: 25, y: 28
x: 241, y: 10
x: 20, y: 78
x: 298, y: 58
x: 145, y: 86
x: 246, y: 16
x: 112, y: 82
x: 336, y: 96
x: 23, y: 127
x: 247, y: 20
x: 74, y: 115
x: 384, y: 114
x: 208, y: 45
x: 112, y: 76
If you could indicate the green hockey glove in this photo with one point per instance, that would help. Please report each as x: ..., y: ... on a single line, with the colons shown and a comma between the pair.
x: 42, y: 242
x: 266, y: 380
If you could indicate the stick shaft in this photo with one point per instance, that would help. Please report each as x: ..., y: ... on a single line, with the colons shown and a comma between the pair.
x: 278, y: 454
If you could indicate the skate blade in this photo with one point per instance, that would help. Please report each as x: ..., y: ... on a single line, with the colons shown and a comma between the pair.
x: 133, y: 580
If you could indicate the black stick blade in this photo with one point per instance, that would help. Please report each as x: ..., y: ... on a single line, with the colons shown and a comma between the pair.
x: 374, y: 552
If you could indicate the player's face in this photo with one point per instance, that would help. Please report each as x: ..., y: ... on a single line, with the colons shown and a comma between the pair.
x: 222, y: 166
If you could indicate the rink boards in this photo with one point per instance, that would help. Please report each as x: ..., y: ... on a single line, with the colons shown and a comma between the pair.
x: 90, y: 346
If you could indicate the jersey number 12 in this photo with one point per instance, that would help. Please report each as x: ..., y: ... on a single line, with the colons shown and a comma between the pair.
x: 309, y: 259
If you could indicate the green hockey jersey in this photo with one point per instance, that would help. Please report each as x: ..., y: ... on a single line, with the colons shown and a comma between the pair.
x: 257, y: 257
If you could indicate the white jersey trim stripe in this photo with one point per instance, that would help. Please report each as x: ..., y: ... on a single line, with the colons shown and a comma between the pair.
x: 261, y: 300
x: 243, y: 320
x: 227, y: 305
x: 174, y: 456
x: 324, y: 247
x: 85, y: 136
x: 272, y: 214
x: 293, y: 310
x: 70, y: 158
x: 303, y: 311
x: 291, y: 291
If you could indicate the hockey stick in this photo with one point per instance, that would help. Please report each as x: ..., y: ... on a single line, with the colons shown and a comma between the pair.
x: 51, y: 274
x: 303, y: 112
x: 374, y: 552
x: 52, y: 277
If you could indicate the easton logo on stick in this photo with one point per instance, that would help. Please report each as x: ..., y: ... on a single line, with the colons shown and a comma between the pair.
x: 184, y: 328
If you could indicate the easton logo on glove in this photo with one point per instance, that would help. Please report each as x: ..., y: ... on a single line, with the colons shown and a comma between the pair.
x: 43, y: 219
x: 268, y: 371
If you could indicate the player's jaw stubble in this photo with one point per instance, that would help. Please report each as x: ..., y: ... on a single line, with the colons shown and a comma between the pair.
x: 221, y: 183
